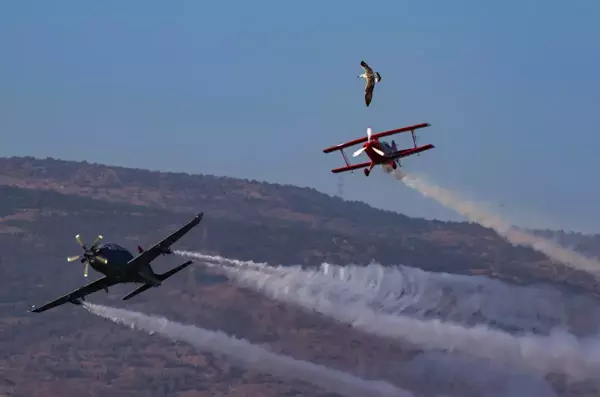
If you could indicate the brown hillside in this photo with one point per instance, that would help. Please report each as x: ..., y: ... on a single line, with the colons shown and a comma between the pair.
x: 68, y: 351
x: 343, y: 231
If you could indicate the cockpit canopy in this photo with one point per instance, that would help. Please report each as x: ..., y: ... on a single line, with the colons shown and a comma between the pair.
x: 111, y: 247
x: 114, y: 253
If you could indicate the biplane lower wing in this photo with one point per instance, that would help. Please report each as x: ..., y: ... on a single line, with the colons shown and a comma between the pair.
x: 351, y: 167
x: 411, y: 151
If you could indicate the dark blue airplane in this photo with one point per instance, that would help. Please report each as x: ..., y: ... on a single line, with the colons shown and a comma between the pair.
x: 119, y: 266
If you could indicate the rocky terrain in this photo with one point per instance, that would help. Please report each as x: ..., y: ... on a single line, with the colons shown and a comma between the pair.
x: 45, y: 202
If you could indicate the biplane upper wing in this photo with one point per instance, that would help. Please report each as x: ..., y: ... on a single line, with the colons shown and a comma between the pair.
x: 399, y: 130
x: 411, y: 151
x: 351, y: 167
x: 101, y: 283
x: 378, y: 135
x: 164, y: 246
x: 345, y: 145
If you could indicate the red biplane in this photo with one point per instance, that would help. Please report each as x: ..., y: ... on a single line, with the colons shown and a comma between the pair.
x: 379, y: 152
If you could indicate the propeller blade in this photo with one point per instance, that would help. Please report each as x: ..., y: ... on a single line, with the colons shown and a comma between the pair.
x: 369, y: 132
x: 86, y: 268
x: 79, y: 241
x: 101, y: 259
x: 358, y: 152
x: 73, y: 258
x: 379, y: 152
x: 95, y: 243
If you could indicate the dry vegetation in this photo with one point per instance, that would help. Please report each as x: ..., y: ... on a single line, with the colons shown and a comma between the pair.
x: 67, y: 351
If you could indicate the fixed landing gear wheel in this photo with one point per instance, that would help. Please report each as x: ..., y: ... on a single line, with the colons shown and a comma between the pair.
x: 367, y: 172
x: 394, y: 165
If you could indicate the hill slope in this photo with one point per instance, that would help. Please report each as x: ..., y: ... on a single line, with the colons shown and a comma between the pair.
x: 259, y: 219
x: 46, y: 202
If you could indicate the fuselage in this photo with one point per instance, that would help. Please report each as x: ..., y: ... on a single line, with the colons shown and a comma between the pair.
x: 117, y: 263
x: 383, y: 146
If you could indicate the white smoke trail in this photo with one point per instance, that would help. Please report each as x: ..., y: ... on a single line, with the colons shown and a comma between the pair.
x: 511, y: 234
x: 249, y: 354
x: 560, y: 352
x: 477, y: 377
x: 221, y: 259
x: 458, y: 298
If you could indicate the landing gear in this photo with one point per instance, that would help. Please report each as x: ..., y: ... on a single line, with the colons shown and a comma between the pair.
x: 394, y: 165
x: 367, y: 172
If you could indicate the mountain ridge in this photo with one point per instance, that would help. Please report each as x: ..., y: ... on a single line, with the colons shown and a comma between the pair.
x: 66, y: 175
x: 67, y: 351
x: 251, y: 206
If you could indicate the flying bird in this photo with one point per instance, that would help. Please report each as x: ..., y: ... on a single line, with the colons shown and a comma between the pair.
x: 371, y: 79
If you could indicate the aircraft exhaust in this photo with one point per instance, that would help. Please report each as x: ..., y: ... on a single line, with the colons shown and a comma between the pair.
x: 251, y: 355
x: 559, y: 352
x: 466, y: 299
x: 516, y: 237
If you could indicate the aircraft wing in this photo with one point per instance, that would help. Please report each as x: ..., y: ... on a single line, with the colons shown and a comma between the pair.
x: 378, y: 135
x: 351, y: 167
x: 90, y: 288
x: 345, y: 145
x: 399, y: 130
x: 411, y: 151
x: 163, y: 247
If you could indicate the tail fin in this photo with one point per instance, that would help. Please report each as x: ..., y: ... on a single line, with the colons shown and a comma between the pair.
x: 377, y: 77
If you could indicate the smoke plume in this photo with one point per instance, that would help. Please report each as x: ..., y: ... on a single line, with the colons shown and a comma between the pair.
x: 473, y: 376
x: 559, y: 352
x: 511, y: 234
x: 404, y: 290
x: 249, y: 354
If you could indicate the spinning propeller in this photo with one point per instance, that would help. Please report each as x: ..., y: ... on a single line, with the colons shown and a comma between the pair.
x: 88, y: 254
x: 368, y: 144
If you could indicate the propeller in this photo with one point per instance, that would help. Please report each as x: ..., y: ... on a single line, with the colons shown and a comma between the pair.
x: 368, y: 144
x: 379, y: 152
x: 88, y: 254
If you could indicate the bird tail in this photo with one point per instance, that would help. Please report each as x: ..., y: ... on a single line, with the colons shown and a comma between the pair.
x: 377, y: 77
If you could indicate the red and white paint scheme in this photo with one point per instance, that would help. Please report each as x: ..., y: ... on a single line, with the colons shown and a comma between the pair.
x: 380, y: 152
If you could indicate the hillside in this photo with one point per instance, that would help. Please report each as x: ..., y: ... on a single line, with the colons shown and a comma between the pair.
x: 254, y: 220
x: 46, y: 202
x: 69, y: 351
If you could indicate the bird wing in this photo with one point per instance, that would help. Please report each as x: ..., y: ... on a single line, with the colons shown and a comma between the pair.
x: 367, y: 69
x: 369, y: 91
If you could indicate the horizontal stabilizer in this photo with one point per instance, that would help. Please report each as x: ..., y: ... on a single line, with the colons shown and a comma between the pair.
x: 160, y: 277
x: 150, y: 278
x: 137, y: 291
x: 164, y: 276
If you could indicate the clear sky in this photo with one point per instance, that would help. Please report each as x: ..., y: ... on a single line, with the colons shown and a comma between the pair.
x: 256, y: 89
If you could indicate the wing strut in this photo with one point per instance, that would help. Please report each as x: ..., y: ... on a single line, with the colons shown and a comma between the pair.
x: 345, y: 159
x: 344, y: 156
x: 414, y: 137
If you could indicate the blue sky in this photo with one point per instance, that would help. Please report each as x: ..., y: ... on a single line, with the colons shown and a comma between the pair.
x: 257, y: 90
